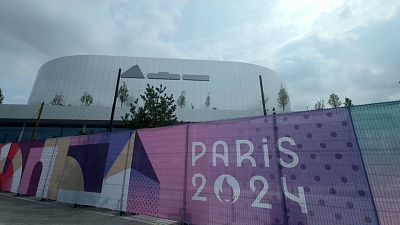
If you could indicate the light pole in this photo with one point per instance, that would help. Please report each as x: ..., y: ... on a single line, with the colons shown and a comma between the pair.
x: 133, y: 72
x: 262, y: 95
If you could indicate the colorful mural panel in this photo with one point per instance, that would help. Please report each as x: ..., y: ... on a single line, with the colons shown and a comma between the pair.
x: 88, y: 170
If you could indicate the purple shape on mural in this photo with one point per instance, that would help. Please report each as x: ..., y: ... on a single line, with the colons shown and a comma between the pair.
x: 144, y: 186
x: 25, y: 148
x: 92, y: 160
x: 35, y: 177
x: 141, y: 162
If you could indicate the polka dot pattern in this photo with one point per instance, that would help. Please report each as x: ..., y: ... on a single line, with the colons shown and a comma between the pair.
x: 329, y: 171
x: 144, y: 194
x: 329, y: 167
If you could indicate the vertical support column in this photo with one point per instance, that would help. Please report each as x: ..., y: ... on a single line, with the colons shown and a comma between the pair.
x: 37, y: 122
x: 279, y: 167
x: 184, y: 208
x: 262, y: 95
x: 115, y: 101
x: 121, y: 211
x: 21, y: 133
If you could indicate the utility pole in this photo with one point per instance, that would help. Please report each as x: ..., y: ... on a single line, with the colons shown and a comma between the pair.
x: 21, y: 133
x: 37, y: 122
x: 262, y: 95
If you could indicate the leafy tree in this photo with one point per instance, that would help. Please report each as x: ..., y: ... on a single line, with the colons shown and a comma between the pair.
x: 58, y: 100
x: 1, y: 96
x: 86, y: 99
x: 158, y: 109
x: 181, y: 100
x: 208, y: 100
x: 334, y: 100
x: 123, y: 94
x: 348, y: 102
x: 320, y: 104
x: 283, y: 98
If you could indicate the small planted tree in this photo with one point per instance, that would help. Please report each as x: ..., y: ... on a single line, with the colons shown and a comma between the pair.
x: 158, y: 109
x: 58, y: 100
x: 283, y: 98
x: 208, y: 100
x: 1, y: 96
x: 86, y: 99
x: 181, y: 100
x: 348, y: 102
x: 123, y: 94
x: 320, y: 104
x: 334, y: 100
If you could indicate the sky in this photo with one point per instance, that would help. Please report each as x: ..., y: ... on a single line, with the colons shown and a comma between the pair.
x: 319, y: 47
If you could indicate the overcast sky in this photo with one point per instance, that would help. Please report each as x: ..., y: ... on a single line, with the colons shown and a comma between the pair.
x: 348, y: 47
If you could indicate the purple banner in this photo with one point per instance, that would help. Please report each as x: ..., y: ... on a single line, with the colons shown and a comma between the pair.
x: 302, y: 168
x: 156, y: 184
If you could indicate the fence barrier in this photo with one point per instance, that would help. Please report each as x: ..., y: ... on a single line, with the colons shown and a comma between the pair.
x: 314, y: 167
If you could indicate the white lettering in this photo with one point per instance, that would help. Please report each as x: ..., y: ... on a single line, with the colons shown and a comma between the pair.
x: 247, y: 155
x: 201, y: 154
x: 301, y: 200
x: 266, y: 155
x: 223, y: 156
x: 287, y: 151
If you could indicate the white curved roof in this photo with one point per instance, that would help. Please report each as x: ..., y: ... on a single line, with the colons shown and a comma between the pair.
x: 232, y: 85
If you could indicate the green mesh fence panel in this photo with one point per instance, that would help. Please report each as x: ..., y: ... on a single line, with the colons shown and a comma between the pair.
x: 378, y: 131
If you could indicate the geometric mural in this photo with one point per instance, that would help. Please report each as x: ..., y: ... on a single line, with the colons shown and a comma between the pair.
x: 334, y: 166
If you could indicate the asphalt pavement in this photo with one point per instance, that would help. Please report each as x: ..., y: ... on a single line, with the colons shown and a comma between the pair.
x: 27, y: 210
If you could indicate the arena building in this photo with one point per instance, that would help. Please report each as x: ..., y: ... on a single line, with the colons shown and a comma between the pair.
x: 230, y: 85
x: 232, y: 88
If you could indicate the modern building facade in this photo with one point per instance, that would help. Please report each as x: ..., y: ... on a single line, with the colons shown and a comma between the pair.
x: 233, y: 89
x: 230, y: 85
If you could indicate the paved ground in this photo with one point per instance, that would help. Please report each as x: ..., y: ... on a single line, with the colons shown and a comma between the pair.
x: 24, y: 210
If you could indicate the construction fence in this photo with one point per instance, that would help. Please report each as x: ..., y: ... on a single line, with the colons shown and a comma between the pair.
x: 314, y: 167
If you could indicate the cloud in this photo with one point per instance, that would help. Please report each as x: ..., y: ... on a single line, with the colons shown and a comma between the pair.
x: 348, y: 47
x: 357, y: 61
x: 33, y: 32
x: 319, y: 47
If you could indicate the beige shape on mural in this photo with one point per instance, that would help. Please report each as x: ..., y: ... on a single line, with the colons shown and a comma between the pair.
x: 73, y: 176
x: 61, y: 145
x: 122, y: 162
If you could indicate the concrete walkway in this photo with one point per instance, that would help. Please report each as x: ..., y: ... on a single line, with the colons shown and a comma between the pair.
x: 26, y: 210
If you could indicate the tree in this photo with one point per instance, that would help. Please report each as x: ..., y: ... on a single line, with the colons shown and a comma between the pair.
x: 58, y: 99
x: 158, y: 109
x: 86, y: 99
x: 348, y: 102
x: 320, y: 104
x: 334, y: 100
x: 1, y: 96
x: 181, y: 100
x: 123, y: 94
x: 208, y: 100
x: 283, y: 98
